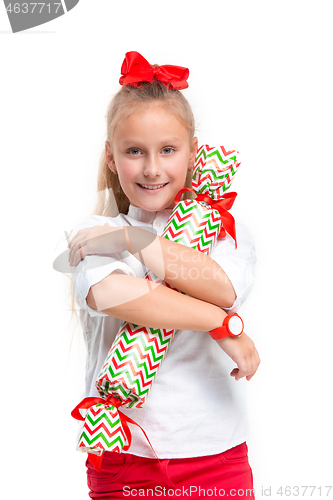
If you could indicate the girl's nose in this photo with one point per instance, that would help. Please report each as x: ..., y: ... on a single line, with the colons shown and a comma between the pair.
x: 151, y: 166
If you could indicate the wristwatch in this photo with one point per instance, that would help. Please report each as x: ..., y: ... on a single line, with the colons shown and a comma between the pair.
x: 232, y: 326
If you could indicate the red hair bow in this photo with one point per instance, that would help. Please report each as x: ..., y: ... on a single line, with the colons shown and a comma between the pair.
x: 136, y: 70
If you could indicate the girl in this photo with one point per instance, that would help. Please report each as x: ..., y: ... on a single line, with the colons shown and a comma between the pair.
x: 195, y: 415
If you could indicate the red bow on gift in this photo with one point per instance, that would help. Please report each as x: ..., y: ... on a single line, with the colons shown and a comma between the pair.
x: 86, y: 403
x: 136, y: 70
x: 222, y: 206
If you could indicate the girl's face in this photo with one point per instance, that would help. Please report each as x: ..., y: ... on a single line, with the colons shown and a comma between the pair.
x: 151, y: 152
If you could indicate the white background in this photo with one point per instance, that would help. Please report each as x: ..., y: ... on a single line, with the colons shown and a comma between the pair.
x: 260, y: 82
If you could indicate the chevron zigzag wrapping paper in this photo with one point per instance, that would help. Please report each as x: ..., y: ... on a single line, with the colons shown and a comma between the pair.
x: 137, y: 352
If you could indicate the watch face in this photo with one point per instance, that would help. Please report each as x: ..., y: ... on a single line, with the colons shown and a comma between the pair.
x: 235, y: 325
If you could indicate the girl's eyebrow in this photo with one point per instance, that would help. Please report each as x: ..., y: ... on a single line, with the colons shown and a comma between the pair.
x: 164, y: 141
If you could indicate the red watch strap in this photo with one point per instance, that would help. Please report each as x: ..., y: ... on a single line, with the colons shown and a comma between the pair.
x: 221, y: 332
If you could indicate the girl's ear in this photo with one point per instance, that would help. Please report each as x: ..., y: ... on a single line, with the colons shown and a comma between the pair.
x: 193, y: 153
x: 109, y: 157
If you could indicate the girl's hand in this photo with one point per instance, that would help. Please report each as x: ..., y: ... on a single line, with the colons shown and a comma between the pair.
x: 243, y: 352
x: 101, y: 240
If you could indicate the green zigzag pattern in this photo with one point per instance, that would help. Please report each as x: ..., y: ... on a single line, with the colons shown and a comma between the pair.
x: 102, y: 437
x: 181, y: 208
x: 132, y: 380
x: 135, y: 356
x: 212, y: 172
x: 195, y: 230
x: 146, y: 347
x: 103, y: 416
x: 214, y: 152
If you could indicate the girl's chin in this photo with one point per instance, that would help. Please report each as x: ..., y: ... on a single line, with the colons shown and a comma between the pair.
x: 154, y: 206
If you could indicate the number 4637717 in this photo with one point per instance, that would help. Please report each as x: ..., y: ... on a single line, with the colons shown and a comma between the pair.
x: 31, y: 7
x: 304, y: 491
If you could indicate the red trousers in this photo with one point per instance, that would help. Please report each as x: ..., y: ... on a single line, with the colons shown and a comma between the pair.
x: 124, y: 476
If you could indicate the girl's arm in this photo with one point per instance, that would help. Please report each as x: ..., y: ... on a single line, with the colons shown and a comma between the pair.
x: 188, y: 270
x: 145, y: 303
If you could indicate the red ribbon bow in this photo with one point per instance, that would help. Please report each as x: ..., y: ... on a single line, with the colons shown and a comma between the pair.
x: 136, y: 70
x: 86, y: 403
x: 222, y: 206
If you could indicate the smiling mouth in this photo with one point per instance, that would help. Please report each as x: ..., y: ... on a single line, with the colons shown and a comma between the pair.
x: 152, y: 187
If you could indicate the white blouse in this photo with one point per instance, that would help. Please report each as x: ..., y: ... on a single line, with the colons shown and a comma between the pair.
x: 194, y: 407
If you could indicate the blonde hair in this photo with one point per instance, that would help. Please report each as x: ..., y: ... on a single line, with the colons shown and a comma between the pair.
x: 123, y: 104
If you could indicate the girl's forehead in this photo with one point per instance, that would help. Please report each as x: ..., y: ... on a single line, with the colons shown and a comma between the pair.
x: 156, y: 115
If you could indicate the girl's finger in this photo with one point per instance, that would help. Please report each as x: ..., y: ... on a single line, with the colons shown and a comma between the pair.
x: 77, y: 253
x: 251, y: 374
x: 71, y: 249
x: 78, y: 240
x: 78, y: 237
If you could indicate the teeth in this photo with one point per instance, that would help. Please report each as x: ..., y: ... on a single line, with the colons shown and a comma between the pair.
x: 152, y: 187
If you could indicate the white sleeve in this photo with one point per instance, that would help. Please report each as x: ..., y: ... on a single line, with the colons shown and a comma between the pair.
x: 238, y: 264
x: 93, y: 268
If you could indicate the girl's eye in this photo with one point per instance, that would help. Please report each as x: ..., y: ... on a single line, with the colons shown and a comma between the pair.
x: 167, y: 151
x: 134, y: 151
